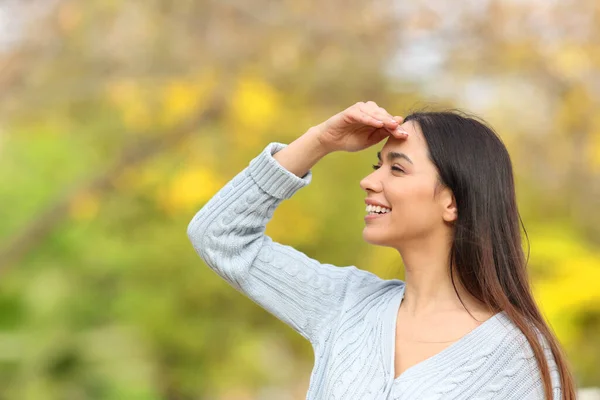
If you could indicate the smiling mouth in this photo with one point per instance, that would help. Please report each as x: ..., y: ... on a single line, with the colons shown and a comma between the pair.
x: 377, y: 210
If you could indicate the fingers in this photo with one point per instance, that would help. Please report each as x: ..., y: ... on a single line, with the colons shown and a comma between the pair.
x: 369, y: 120
x: 371, y: 114
x: 371, y: 108
x: 400, y: 132
x: 364, y: 118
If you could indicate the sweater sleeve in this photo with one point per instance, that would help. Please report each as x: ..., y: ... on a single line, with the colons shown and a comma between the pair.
x: 228, y: 234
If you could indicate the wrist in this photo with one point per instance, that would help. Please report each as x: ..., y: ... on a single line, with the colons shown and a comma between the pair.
x: 302, y: 154
x: 315, y: 135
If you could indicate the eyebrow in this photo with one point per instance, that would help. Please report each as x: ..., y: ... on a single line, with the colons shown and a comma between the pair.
x: 392, y: 155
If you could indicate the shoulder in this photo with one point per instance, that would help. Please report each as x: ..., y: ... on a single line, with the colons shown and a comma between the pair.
x: 368, y: 279
x: 367, y: 284
x: 497, y: 363
x: 361, y: 293
x: 519, y: 369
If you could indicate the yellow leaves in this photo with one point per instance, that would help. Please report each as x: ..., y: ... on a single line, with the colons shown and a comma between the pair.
x: 84, y: 206
x: 514, y: 54
x: 578, y: 122
x: 577, y: 117
x: 161, y: 104
x: 189, y: 189
x: 573, y: 114
x: 182, y: 99
x: 574, y: 282
x: 295, y: 225
x: 137, y: 177
x: 576, y: 289
x: 182, y: 190
x: 131, y: 100
x: 571, y: 60
x: 254, y: 108
x: 552, y: 242
x: 594, y: 152
x: 575, y: 286
x: 382, y: 261
x: 255, y: 103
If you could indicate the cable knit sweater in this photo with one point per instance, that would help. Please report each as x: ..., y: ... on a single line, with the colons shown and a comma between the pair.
x: 349, y: 314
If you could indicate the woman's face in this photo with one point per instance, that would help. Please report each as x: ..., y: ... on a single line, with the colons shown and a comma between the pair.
x: 406, y: 184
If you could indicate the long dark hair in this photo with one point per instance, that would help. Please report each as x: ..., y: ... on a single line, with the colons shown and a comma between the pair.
x: 486, y: 252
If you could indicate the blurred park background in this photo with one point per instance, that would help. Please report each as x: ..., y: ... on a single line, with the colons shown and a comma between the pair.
x: 120, y: 119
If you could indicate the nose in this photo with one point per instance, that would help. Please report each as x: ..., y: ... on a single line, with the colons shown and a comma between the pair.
x: 371, y: 183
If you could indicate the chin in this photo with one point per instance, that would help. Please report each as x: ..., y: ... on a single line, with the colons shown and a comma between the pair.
x: 372, y: 237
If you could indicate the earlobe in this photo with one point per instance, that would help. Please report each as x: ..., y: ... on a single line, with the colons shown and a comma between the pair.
x: 451, y: 214
x: 452, y: 211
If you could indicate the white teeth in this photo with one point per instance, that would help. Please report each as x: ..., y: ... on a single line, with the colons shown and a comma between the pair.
x: 372, y: 209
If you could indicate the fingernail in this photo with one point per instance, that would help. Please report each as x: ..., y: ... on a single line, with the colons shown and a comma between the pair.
x: 393, y: 120
x: 402, y: 131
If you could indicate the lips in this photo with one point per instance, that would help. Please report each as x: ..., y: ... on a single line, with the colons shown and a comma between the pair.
x: 376, y: 203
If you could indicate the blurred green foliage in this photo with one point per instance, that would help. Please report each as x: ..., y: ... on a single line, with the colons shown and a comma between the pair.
x: 121, y: 119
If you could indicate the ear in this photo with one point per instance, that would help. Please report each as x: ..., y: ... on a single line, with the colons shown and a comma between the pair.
x: 448, y: 203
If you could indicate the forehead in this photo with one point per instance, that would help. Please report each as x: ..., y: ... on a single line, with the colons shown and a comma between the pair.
x: 414, y: 146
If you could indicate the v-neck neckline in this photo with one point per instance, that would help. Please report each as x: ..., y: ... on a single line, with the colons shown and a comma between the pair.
x: 428, y: 365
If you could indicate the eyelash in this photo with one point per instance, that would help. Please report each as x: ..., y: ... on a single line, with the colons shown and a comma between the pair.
x: 394, y: 168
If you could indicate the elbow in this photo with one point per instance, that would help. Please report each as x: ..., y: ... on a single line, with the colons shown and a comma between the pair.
x: 198, y: 236
x: 198, y: 232
x: 195, y: 232
x: 191, y: 229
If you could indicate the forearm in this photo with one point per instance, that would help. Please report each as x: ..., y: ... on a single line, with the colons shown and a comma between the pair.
x: 302, y: 154
x: 228, y: 233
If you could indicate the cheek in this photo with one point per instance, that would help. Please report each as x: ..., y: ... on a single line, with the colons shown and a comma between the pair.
x: 411, y: 196
x: 416, y: 213
x: 414, y: 207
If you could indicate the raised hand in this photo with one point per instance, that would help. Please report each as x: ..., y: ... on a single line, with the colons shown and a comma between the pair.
x: 358, y: 127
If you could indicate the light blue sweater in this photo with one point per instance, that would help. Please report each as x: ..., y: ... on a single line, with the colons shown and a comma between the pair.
x: 349, y: 314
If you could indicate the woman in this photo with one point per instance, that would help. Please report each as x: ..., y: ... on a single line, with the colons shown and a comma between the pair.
x: 462, y: 325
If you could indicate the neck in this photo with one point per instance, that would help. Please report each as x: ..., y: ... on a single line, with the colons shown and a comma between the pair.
x: 429, y: 289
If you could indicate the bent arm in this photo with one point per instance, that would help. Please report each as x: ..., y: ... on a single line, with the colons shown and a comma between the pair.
x: 228, y: 234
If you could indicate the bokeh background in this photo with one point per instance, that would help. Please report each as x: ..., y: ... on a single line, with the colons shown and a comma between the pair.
x: 120, y: 119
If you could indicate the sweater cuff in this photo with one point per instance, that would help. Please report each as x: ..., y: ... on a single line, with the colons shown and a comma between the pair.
x: 272, y: 177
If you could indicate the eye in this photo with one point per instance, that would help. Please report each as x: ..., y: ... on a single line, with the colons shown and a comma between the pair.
x: 394, y: 168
